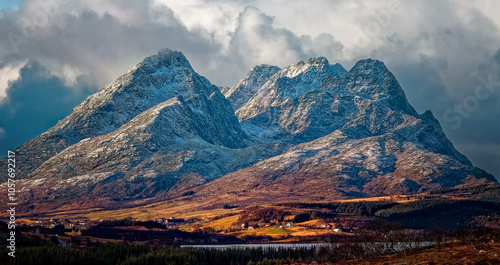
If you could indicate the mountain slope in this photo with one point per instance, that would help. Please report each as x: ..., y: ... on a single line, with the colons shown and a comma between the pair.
x: 309, y: 131
x: 309, y: 100
x: 240, y: 93
x: 177, y: 141
x: 156, y: 79
x: 356, y: 135
x: 335, y: 167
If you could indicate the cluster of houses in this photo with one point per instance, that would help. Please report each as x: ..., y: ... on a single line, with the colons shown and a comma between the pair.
x: 65, y: 222
x: 171, y: 222
x: 53, y: 227
x: 247, y: 226
x: 78, y: 224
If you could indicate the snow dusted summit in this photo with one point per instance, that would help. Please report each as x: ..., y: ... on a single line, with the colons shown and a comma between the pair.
x: 311, y: 130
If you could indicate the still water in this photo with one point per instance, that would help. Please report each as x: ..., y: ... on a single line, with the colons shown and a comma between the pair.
x: 396, y: 246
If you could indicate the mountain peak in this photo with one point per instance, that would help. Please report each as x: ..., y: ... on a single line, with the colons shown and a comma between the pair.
x: 369, y: 65
x: 169, y: 57
x: 318, y: 61
x: 262, y: 72
x: 239, y: 94
x: 156, y: 79
x: 165, y: 58
x: 263, y: 67
x: 314, y: 66
x: 371, y: 78
x: 428, y: 115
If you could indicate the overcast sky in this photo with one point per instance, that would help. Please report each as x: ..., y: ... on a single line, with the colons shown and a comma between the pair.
x: 445, y: 54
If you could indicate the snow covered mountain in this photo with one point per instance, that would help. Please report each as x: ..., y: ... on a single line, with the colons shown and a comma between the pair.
x: 154, y: 80
x: 311, y: 130
x: 354, y: 134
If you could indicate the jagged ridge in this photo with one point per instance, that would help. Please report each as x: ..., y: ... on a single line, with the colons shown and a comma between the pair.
x: 309, y: 130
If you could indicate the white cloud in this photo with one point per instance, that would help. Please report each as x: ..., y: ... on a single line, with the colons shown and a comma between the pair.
x: 490, y: 9
x: 218, y: 19
x: 8, y: 74
x: 257, y: 41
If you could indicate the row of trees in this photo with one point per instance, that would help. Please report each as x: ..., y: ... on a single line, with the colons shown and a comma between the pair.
x: 419, y: 214
x: 431, y: 207
x: 359, y: 208
x: 123, y: 254
x: 379, y: 237
x: 255, y: 214
x: 486, y: 192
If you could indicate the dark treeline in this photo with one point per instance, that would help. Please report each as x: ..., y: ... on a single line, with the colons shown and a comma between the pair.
x: 378, y: 239
x: 161, y: 236
x: 123, y: 254
x: 254, y: 214
x: 426, y: 214
x: 485, y: 192
x: 420, y: 214
x: 310, y: 215
x: 359, y: 208
x: 129, y: 222
x: 127, y: 230
x: 431, y: 207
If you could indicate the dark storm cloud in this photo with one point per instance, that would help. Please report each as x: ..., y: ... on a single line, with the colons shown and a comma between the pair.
x: 77, y: 42
x: 100, y: 45
x: 103, y: 44
x: 496, y: 57
x: 36, y: 101
x: 440, y: 58
x: 73, y: 57
x: 257, y: 40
